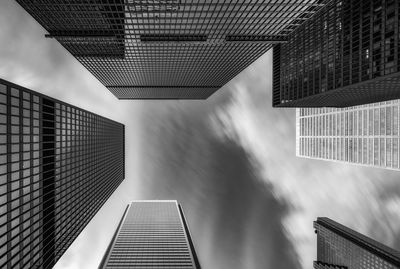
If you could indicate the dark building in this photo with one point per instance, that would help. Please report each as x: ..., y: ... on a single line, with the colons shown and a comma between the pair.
x: 345, y: 55
x: 151, y: 234
x: 339, y: 247
x: 170, y: 49
x: 58, y: 165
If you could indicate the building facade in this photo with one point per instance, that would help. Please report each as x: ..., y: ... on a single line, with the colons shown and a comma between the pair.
x: 152, y: 234
x: 366, y: 135
x: 340, y: 247
x: 58, y: 166
x: 345, y: 55
x: 170, y: 49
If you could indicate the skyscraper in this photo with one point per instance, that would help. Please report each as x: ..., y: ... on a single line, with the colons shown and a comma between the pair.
x: 366, y: 135
x: 345, y: 55
x: 152, y: 234
x: 170, y: 49
x: 58, y: 165
x: 342, y: 248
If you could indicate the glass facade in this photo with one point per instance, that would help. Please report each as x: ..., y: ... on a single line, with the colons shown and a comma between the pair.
x: 345, y: 55
x: 58, y: 166
x: 185, y: 49
x: 152, y: 234
x: 365, y: 135
x: 340, y: 247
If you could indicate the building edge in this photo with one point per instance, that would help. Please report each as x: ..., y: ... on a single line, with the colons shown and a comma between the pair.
x: 123, y: 151
x: 189, y: 237
x: 42, y: 95
x: 105, y: 256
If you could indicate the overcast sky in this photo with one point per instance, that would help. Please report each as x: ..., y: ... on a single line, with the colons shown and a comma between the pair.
x: 230, y: 161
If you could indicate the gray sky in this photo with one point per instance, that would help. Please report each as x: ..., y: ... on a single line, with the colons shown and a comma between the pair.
x: 230, y: 161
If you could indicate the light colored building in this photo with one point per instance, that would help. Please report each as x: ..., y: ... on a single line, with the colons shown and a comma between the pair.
x: 365, y: 135
x: 152, y: 234
x: 339, y: 247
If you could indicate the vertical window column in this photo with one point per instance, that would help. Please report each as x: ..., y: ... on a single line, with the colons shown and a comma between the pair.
x: 48, y: 180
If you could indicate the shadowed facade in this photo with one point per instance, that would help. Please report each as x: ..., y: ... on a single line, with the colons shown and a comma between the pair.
x: 173, y: 49
x: 343, y: 248
x: 345, y: 55
x: 58, y: 165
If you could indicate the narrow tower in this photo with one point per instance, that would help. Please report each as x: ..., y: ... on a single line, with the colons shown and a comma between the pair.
x: 365, y: 135
x: 151, y: 234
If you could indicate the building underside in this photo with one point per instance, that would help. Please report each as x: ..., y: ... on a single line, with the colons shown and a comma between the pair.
x: 171, y: 49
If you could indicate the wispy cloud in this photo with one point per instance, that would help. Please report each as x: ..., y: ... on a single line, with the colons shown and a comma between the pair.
x: 235, y: 220
x: 349, y: 194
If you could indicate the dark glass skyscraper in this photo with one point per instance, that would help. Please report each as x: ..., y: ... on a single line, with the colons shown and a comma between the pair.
x: 345, y: 55
x: 151, y: 234
x: 170, y: 49
x: 58, y: 165
x: 342, y: 248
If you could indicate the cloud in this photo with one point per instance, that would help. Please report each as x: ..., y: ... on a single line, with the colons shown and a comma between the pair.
x: 234, y: 218
x: 347, y: 193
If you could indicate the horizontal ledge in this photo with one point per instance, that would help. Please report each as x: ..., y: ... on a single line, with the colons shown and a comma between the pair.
x: 173, y: 38
x: 97, y: 55
x: 255, y: 38
x: 85, y: 33
x: 168, y: 87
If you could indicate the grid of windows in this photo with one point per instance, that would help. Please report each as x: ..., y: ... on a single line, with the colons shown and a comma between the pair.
x: 58, y: 166
x: 340, y: 246
x: 20, y: 178
x: 152, y: 235
x: 366, y: 135
x: 186, y: 44
x: 345, y: 55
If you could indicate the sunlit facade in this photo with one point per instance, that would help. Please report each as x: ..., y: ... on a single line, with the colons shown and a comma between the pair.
x: 151, y: 234
x: 345, y: 55
x: 364, y: 135
x: 58, y: 165
x: 170, y: 49
x: 339, y: 247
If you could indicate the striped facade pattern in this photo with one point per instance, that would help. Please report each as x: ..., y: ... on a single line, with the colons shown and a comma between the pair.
x: 153, y: 92
x: 366, y: 135
x: 152, y: 235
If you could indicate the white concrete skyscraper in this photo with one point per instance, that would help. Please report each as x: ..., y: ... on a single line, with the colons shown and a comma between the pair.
x: 365, y: 135
x: 152, y: 234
